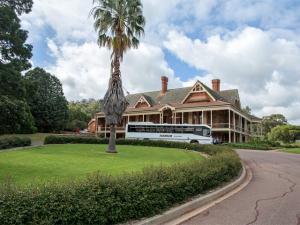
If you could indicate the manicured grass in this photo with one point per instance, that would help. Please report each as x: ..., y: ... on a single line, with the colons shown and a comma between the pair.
x: 74, y: 161
x: 292, y: 150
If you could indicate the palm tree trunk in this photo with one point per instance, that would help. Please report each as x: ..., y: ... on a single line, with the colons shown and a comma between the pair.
x: 112, y: 140
x: 115, y: 103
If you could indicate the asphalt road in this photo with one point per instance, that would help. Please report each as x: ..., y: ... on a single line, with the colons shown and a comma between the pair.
x: 271, y: 198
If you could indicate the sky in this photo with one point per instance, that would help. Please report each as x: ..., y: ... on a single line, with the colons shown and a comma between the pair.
x: 251, y: 45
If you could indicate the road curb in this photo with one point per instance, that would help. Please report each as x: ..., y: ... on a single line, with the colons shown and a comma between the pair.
x: 190, y: 209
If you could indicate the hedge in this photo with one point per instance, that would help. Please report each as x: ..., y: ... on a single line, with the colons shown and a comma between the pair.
x: 104, y: 199
x: 256, y: 144
x: 69, y: 139
x: 14, y: 141
x: 249, y: 146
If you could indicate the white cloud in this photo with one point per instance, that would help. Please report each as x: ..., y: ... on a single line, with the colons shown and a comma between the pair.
x: 68, y: 19
x: 262, y: 63
x: 265, y: 69
x: 84, y: 69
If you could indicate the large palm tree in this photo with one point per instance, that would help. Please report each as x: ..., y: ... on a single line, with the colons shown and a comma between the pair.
x: 119, y: 25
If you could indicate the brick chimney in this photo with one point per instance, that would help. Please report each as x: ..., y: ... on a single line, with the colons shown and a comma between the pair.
x: 164, y: 85
x: 216, y: 83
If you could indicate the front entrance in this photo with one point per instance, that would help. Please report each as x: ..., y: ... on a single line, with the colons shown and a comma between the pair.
x: 167, y: 116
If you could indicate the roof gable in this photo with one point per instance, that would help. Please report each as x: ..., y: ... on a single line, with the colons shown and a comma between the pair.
x: 142, y: 102
x: 198, y: 93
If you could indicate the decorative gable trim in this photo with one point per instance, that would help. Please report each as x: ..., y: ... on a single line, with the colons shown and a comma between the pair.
x: 142, y: 100
x: 167, y: 106
x: 197, y: 88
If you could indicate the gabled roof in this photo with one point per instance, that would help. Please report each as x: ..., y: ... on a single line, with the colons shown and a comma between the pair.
x: 154, y: 97
x: 177, y: 95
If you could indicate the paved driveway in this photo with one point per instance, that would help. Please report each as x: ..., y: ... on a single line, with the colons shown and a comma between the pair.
x: 271, y: 198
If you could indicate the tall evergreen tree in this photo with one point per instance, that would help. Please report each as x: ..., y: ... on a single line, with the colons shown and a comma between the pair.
x: 14, y: 58
x: 46, y: 99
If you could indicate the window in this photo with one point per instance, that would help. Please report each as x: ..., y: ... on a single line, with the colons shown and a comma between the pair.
x: 206, y: 132
x: 197, y: 88
x: 199, y: 131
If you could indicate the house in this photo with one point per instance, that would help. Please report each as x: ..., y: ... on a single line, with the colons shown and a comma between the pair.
x: 199, y: 104
x: 92, y: 126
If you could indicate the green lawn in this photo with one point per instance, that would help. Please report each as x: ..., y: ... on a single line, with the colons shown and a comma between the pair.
x: 74, y: 161
x: 292, y: 150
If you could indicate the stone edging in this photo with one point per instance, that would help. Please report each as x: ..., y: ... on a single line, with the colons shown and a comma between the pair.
x: 180, y: 211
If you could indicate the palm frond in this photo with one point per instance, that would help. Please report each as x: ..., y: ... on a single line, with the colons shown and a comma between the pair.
x: 119, y: 24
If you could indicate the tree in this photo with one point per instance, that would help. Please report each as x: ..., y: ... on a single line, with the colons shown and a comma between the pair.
x: 46, y: 99
x: 269, y: 122
x: 81, y: 112
x: 14, y: 58
x: 284, y: 133
x: 20, y: 6
x: 11, y: 82
x: 13, y: 47
x: 247, y: 110
x: 14, y: 110
x: 119, y: 24
x: 15, y: 116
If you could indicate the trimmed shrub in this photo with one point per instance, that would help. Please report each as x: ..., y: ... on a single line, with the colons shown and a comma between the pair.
x: 255, y: 144
x: 109, y: 200
x: 69, y: 139
x: 14, y: 141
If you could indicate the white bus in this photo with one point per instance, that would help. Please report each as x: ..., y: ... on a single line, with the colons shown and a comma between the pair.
x: 170, y: 132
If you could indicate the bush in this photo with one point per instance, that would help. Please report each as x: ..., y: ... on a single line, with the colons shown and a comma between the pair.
x: 12, y: 142
x: 284, y: 133
x: 255, y: 144
x: 109, y: 200
x: 70, y: 139
x: 76, y: 124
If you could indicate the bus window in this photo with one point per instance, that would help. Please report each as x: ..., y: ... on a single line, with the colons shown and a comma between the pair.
x: 206, y: 132
x: 178, y: 130
x: 131, y: 128
x: 188, y: 130
x: 198, y: 131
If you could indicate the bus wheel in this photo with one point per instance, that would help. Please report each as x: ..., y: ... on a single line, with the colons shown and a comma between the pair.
x: 194, y: 142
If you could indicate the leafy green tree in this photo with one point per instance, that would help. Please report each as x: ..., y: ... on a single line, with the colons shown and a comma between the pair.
x: 247, y: 110
x: 13, y: 47
x: 15, y: 116
x: 46, y: 99
x: 14, y: 110
x: 89, y: 107
x: 20, y: 6
x: 11, y: 82
x: 119, y: 24
x: 284, y: 133
x: 81, y: 112
x: 73, y: 125
x: 14, y: 58
x: 269, y: 122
